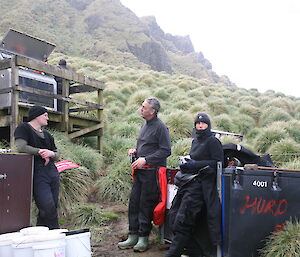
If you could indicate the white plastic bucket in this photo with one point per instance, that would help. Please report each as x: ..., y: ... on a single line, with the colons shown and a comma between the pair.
x: 78, y: 245
x: 22, y: 250
x: 23, y: 246
x: 49, y: 250
x: 34, y: 230
x: 5, y: 243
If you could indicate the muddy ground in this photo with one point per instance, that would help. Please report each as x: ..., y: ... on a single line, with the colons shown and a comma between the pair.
x: 110, y: 234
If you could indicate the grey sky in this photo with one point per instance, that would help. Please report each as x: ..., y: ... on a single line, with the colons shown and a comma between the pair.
x: 255, y: 43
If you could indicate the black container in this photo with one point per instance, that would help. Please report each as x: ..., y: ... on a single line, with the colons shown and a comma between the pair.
x: 254, y: 204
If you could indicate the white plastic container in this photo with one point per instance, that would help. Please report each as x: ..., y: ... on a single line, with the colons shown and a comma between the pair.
x: 49, y: 250
x: 25, y: 245
x: 78, y: 244
x: 5, y: 243
x: 22, y: 250
x: 34, y: 230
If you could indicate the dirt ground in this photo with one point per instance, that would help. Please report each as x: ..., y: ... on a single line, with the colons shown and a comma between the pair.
x: 117, y: 231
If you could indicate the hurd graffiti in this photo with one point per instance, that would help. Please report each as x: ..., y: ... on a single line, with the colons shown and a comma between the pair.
x: 259, y: 206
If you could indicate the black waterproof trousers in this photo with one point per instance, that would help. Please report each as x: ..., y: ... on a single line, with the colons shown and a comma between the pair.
x: 143, y: 199
x: 45, y: 193
x: 186, y: 210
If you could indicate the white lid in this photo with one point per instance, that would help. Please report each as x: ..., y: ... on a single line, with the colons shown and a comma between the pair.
x: 58, y: 230
x: 38, y: 238
x: 22, y: 240
x: 34, y: 230
x: 47, y: 246
x: 9, y: 235
x: 85, y: 234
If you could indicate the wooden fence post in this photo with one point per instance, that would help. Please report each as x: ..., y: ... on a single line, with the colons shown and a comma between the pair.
x: 14, y: 82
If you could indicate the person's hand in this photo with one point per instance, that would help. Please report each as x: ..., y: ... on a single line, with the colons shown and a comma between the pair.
x: 139, y: 162
x: 46, y: 155
x: 132, y: 151
x: 190, y: 164
x: 46, y: 161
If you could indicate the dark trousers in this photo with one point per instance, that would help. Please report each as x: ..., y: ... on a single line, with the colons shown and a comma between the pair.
x: 45, y: 193
x: 143, y: 199
x: 186, y: 209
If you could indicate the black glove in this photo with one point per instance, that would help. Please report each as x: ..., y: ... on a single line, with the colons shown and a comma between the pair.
x: 190, y: 164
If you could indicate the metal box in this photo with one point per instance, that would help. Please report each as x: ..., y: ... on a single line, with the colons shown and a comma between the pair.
x: 29, y: 79
x: 254, y: 204
x: 16, y: 171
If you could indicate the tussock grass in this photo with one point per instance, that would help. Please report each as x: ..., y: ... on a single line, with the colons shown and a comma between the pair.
x: 273, y: 114
x: 267, y: 137
x: 284, y: 151
x: 284, y: 243
x: 180, y: 123
x: 116, y: 185
x: 138, y: 97
x: 251, y: 111
x: 217, y: 106
x: 74, y: 186
x: 224, y: 122
x: 180, y: 148
x: 90, y: 215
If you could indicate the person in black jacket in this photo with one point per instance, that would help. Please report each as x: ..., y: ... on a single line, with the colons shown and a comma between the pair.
x: 32, y: 139
x: 151, y: 152
x: 196, y: 207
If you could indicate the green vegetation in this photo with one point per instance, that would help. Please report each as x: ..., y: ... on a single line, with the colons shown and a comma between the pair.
x: 266, y: 127
x: 284, y: 243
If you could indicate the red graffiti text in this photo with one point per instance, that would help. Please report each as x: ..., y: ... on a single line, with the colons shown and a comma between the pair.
x: 258, y: 206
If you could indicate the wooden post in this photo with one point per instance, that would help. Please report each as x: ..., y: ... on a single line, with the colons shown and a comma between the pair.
x: 65, y: 105
x: 100, y: 118
x: 14, y: 100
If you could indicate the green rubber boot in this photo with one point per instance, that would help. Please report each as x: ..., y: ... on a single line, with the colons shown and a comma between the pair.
x: 142, y: 244
x: 129, y: 243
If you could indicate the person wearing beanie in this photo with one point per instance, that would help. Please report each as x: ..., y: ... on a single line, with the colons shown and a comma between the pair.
x: 196, y: 210
x: 31, y: 138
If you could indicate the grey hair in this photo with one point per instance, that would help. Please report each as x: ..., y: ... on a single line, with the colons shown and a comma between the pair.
x: 155, y: 105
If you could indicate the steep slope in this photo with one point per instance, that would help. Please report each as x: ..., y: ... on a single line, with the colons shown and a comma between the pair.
x: 106, y: 31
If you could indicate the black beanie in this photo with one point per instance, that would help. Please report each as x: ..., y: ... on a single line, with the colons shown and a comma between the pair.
x: 35, y: 111
x: 202, y: 117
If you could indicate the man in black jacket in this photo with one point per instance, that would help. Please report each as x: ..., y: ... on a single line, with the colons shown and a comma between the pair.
x: 198, y: 199
x: 32, y: 139
x: 151, y: 152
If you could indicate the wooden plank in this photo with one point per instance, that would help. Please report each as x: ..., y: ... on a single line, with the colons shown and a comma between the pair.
x: 65, y: 107
x: 100, y: 117
x: 84, y: 109
x: 49, y: 94
x: 81, y: 89
x: 85, y: 131
x: 5, y: 64
x: 58, y: 72
x: 14, y: 100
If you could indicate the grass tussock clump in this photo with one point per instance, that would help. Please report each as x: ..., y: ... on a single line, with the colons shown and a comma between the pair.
x: 284, y: 243
x: 117, y: 184
x: 74, y: 185
x: 267, y: 137
x: 284, y: 151
x: 180, y: 123
x: 273, y: 114
x: 90, y: 215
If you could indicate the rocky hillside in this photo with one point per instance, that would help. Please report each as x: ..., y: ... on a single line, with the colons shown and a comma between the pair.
x: 107, y: 31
